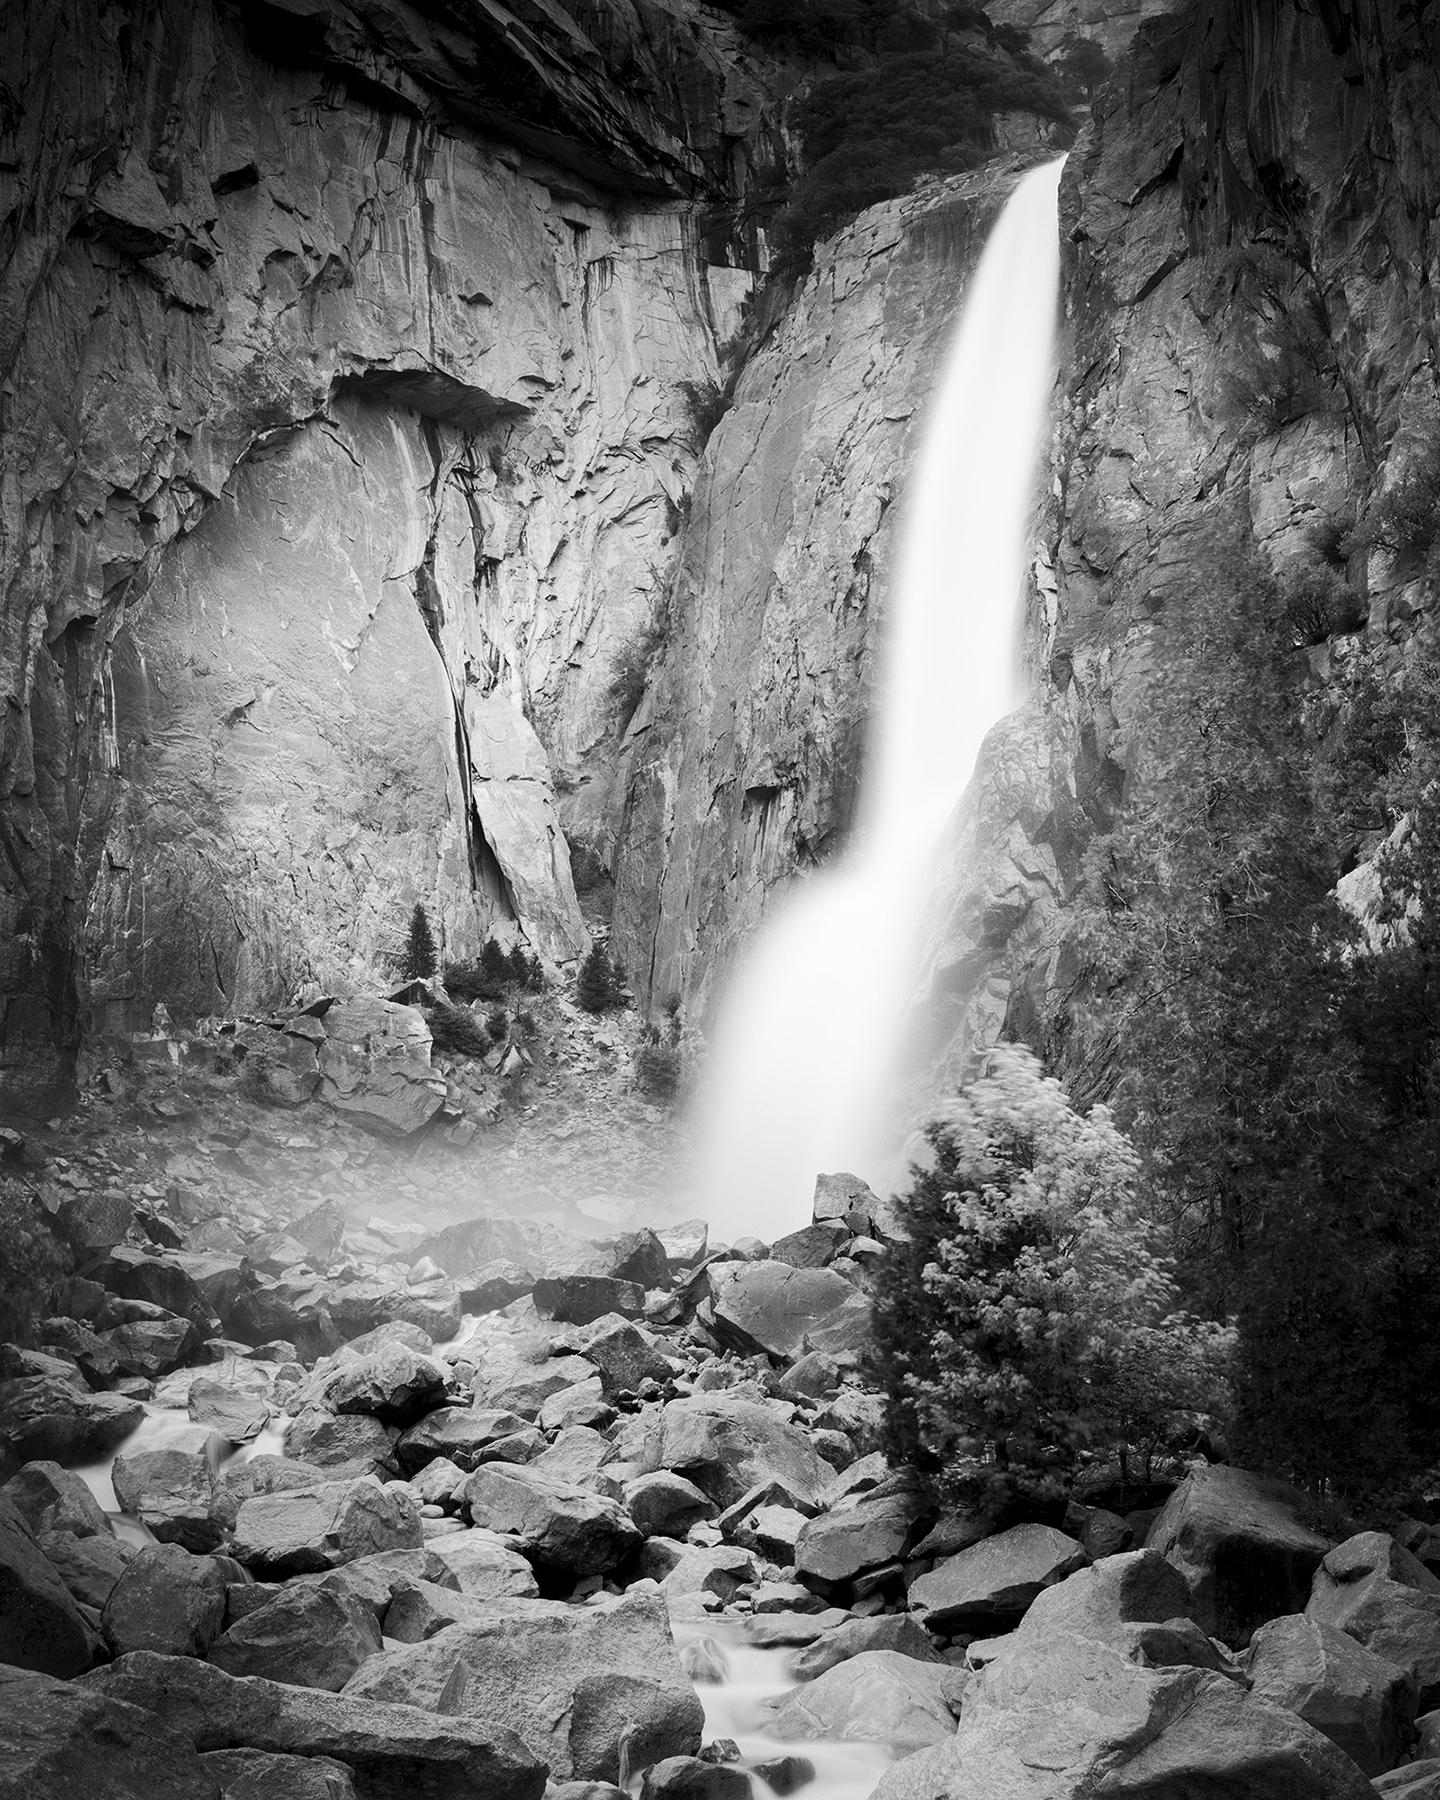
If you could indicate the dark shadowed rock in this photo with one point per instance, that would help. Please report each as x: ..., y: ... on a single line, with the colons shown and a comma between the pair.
x: 558, y: 1524
x: 1355, y: 1698
x: 1387, y: 1600
x: 311, y: 1637
x: 786, y: 1311
x: 320, y: 1528
x: 1238, y: 1540
x: 691, y: 1778
x: 495, y: 1284
x: 995, y: 1580
x: 90, y: 1566
x: 392, y: 1382
x: 581, y: 1299
x: 664, y: 1504
x: 40, y: 1626
x: 198, y: 1287
x: 44, y: 1419
x: 728, y: 1446
x: 463, y: 1434
x: 637, y: 1256
x: 812, y: 1247
x: 575, y: 1682
x: 877, y: 1696
x: 624, y: 1354
x: 265, y: 1775
x: 392, y: 1752
x: 167, y: 1601
x: 50, y: 1498
x: 60, y: 1741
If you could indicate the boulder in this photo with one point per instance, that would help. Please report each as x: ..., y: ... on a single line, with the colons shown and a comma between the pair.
x: 50, y: 1498
x: 559, y: 1525
x: 493, y: 1285
x: 1136, y: 1587
x: 230, y: 1407
x: 772, y: 1532
x: 888, y: 1631
x: 266, y: 1775
x: 1387, y: 1600
x: 438, y: 1483
x: 637, y: 1256
x: 876, y: 1696
x: 861, y: 1533
x: 727, y: 1446
x: 374, y: 1581
x: 1414, y: 1781
x: 486, y: 1566
x: 522, y: 1385
x: 45, y: 1419
x: 664, y: 1504
x: 421, y: 1609
x: 167, y: 1601
x: 464, y: 1434
x: 352, y: 1443
x: 812, y: 1246
x: 90, y: 1566
x: 577, y: 1455
x: 702, y: 1574
x: 392, y: 1752
x: 171, y: 1490
x: 784, y: 1311
x: 584, y: 1404
x: 40, y: 1626
x: 1238, y: 1540
x: 1355, y: 1698
x: 694, y: 1778
x: 769, y: 1631
x: 685, y: 1243
x: 581, y: 1299
x: 149, y: 1347
x: 241, y: 1481
x: 60, y: 1741
x: 1062, y: 1717
x: 322, y: 1527
x: 310, y: 1637
x: 810, y: 1377
x: 845, y: 1199
x: 577, y: 1683
x: 392, y: 1382
x: 994, y: 1581
x: 624, y: 1355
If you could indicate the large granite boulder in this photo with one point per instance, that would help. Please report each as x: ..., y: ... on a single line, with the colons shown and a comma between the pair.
x: 465, y: 1435
x: 90, y: 1566
x: 728, y: 1446
x: 993, y: 1582
x: 392, y: 1752
x: 267, y: 1775
x: 193, y: 1286
x: 623, y: 1353
x: 887, y: 1631
x: 374, y: 1581
x: 166, y: 1601
x: 1239, y: 1541
x: 846, y: 1199
x: 876, y: 1696
x: 45, y: 1419
x: 664, y: 1504
x: 1386, y: 1599
x: 523, y: 1383
x: 582, y: 1299
x: 485, y: 1566
x: 61, y: 1741
x: 559, y: 1525
x: 322, y: 1527
x: 786, y: 1311
x: 171, y: 1489
x: 309, y: 1636
x: 1133, y: 1588
x: 234, y: 1408
x: 1062, y: 1717
x: 392, y: 1382
x: 1358, y: 1700
x: 577, y: 1683
x: 346, y: 1443
x: 40, y: 1625
x: 862, y: 1532
x: 50, y: 1498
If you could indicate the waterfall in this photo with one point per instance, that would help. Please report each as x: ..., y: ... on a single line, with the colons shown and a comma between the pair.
x: 812, y: 1029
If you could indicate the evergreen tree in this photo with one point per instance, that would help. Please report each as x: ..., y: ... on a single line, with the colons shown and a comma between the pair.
x: 598, y: 988
x: 495, y: 962
x: 421, y: 958
x: 519, y: 965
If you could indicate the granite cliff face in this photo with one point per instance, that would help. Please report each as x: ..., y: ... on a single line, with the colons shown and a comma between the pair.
x: 348, y: 425
x: 1253, y: 225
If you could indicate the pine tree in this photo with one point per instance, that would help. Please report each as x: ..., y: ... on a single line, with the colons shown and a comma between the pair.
x: 519, y: 965
x: 495, y: 962
x: 598, y: 988
x: 421, y: 958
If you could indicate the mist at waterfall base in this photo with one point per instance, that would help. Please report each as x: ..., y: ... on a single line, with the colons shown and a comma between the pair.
x: 811, y: 1033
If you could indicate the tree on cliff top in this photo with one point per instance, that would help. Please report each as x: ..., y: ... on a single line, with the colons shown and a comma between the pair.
x: 1031, y: 1314
x: 420, y: 959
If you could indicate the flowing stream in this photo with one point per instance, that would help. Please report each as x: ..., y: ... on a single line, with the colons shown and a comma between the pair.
x: 812, y: 1033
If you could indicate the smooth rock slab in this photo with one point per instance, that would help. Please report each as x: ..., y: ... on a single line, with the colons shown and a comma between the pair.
x: 574, y: 1681
x: 994, y: 1581
x: 40, y: 1626
x: 60, y: 1741
x: 785, y: 1311
x: 392, y: 1752
x: 320, y: 1528
x: 878, y: 1697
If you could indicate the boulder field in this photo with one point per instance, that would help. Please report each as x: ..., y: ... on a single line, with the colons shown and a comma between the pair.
x: 402, y: 1546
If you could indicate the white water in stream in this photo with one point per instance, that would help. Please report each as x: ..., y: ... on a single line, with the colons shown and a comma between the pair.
x: 813, y: 1031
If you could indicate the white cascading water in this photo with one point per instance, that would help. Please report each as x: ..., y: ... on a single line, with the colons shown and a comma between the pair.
x: 812, y: 1031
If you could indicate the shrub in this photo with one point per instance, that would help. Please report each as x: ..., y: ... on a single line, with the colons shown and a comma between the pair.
x: 455, y: 1031
x: 534, y: 975
x: 630, y: 674
x: 420, y: 959
x: 497, y: 1024
x: 467, y: 981
x: 1405, y: 519
x: 31, y: 1262
x: 658, y: 1069
x: 1319, y: 604
x: 1032, y: 1315
x: 598, y: 988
